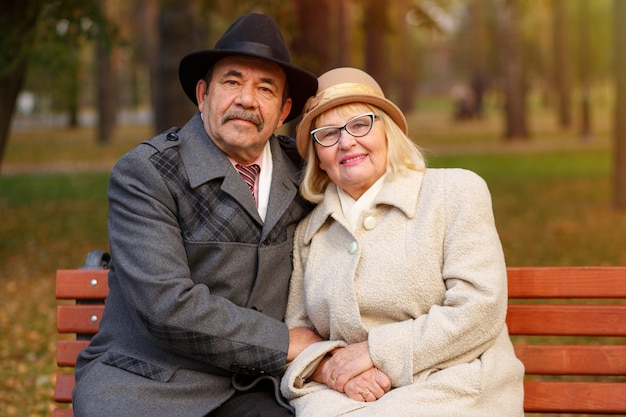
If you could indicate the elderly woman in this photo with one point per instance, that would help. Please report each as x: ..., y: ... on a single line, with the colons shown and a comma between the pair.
x: 399, y: 268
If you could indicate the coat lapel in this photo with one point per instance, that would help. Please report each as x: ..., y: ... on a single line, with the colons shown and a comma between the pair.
x: 205, y: 162
x: 285, y: 183
x: 401, y: 192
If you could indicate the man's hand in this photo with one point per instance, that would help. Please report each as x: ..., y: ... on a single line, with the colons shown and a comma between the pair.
x: 299, y: 339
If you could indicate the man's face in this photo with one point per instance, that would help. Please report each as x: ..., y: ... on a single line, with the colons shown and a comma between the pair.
x: 243, y: 105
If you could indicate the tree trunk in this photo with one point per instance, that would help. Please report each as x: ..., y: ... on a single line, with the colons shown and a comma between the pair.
x: 345, y: 26
x: 313, y: 44
x: 176, y: 26
x: 307, y: 49
x: 561, y: 62
x: 106, y: 97
x: 513, y: 74
x: 375, y: 26
x: 478, y: 55
x: 106, y: 88
x: 18, y: 20
x: 619, y: 134
x: 406, y: 60
x: 106, y: 94
x: 10, y: 85
x: 73, y: 94
x: 584, y: 68
x: 147, y: 11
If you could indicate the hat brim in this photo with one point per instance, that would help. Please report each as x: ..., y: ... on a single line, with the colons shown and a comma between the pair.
x: 303, y: 130
x: 194, y: 66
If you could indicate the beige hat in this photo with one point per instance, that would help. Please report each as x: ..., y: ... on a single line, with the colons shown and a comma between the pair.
x: 341, y: 86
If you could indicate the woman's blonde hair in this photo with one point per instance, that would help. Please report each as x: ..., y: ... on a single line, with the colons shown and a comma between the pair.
x: 402, y: 153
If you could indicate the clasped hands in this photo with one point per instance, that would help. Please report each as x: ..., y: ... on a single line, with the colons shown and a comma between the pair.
x: 349, y: 369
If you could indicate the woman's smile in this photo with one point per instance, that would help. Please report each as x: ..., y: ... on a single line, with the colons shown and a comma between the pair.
x: 353, y: 159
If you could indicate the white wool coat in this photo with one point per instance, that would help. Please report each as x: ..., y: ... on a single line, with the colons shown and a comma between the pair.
x: 423, y: 280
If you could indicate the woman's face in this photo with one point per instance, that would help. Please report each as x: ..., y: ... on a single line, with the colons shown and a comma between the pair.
x: 353, y: 163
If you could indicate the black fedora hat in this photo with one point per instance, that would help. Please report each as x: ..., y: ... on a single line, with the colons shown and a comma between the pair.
x: 253, y: 35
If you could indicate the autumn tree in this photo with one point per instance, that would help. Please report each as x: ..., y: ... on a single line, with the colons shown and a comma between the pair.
x: 584, y: 68
x: 478, y: 53
x: 405, y: 56
x: 18, y: 20
x: 317, y: 25
x: 619, y: 134
x: 106, y: 88
x: 176, y: 24
x: 376, y: 27
x: 513, y: 76
x: 562, y: 61
x: 27, y: 27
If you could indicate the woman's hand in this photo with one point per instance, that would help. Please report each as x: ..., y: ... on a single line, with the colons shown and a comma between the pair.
x: 345, y: 364
x: 368, y: 386
x: 350, y: 370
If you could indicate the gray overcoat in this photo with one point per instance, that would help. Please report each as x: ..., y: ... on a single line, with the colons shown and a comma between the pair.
x: 198, y: 283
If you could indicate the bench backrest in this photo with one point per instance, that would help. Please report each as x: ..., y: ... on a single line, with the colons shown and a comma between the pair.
x: 88, y: 288
x: 568, y: 325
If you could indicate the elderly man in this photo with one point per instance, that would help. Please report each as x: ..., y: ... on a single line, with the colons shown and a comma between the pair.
x: 201, y: 224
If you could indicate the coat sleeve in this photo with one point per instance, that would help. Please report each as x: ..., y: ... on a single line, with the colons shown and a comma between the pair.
x: 296, y: 315
x: 473, y: 310
x: 152, y: 272
x: 293, y: 384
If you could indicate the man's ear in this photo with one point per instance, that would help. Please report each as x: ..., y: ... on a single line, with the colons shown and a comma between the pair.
x: 285, y: 111
x: 201, y: 92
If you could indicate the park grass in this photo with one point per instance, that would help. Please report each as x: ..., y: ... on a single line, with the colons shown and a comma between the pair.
x: 551, y: 197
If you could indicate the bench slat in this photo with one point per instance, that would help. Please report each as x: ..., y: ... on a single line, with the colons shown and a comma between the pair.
x: 62, y: 412
x: 575, y: 397
x: 567, y: 282
x: 68, y: 350
x: 79, y: 318
x: 82, y: 284
x: 63, y: 388
x: 573, y: 360
x: 566, y: 320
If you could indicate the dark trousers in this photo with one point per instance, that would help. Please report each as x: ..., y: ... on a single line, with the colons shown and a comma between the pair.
x: 258, y: 402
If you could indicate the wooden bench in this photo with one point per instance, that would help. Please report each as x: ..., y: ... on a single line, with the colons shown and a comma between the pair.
x: 548, y: 305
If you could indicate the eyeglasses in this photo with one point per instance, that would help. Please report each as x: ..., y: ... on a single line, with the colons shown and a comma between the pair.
x: 357, y: 127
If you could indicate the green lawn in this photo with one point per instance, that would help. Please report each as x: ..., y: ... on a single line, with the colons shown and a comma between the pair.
x: 551, y: 197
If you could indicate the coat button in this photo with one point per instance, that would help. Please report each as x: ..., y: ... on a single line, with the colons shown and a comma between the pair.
x: 369, y: 223
x: 354, y: 246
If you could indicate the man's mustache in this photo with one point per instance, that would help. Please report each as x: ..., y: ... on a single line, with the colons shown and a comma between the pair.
x: 244, y: 115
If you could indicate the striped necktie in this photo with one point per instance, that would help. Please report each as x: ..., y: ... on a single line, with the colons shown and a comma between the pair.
x: 249, y: 173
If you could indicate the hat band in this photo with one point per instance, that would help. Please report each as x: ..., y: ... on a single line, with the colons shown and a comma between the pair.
x: 340, y: 91
x: 254, y: 48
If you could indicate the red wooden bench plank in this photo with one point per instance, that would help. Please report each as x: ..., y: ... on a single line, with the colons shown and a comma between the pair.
x: 79, y: 318
x: 563, y: 320
x: 82, y: 284
x: 62, y: 412
x: 567, y: 282
x: 575, y: 397
x: 573, y: 359
x: 68, y: 350
x: 63, y: 389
